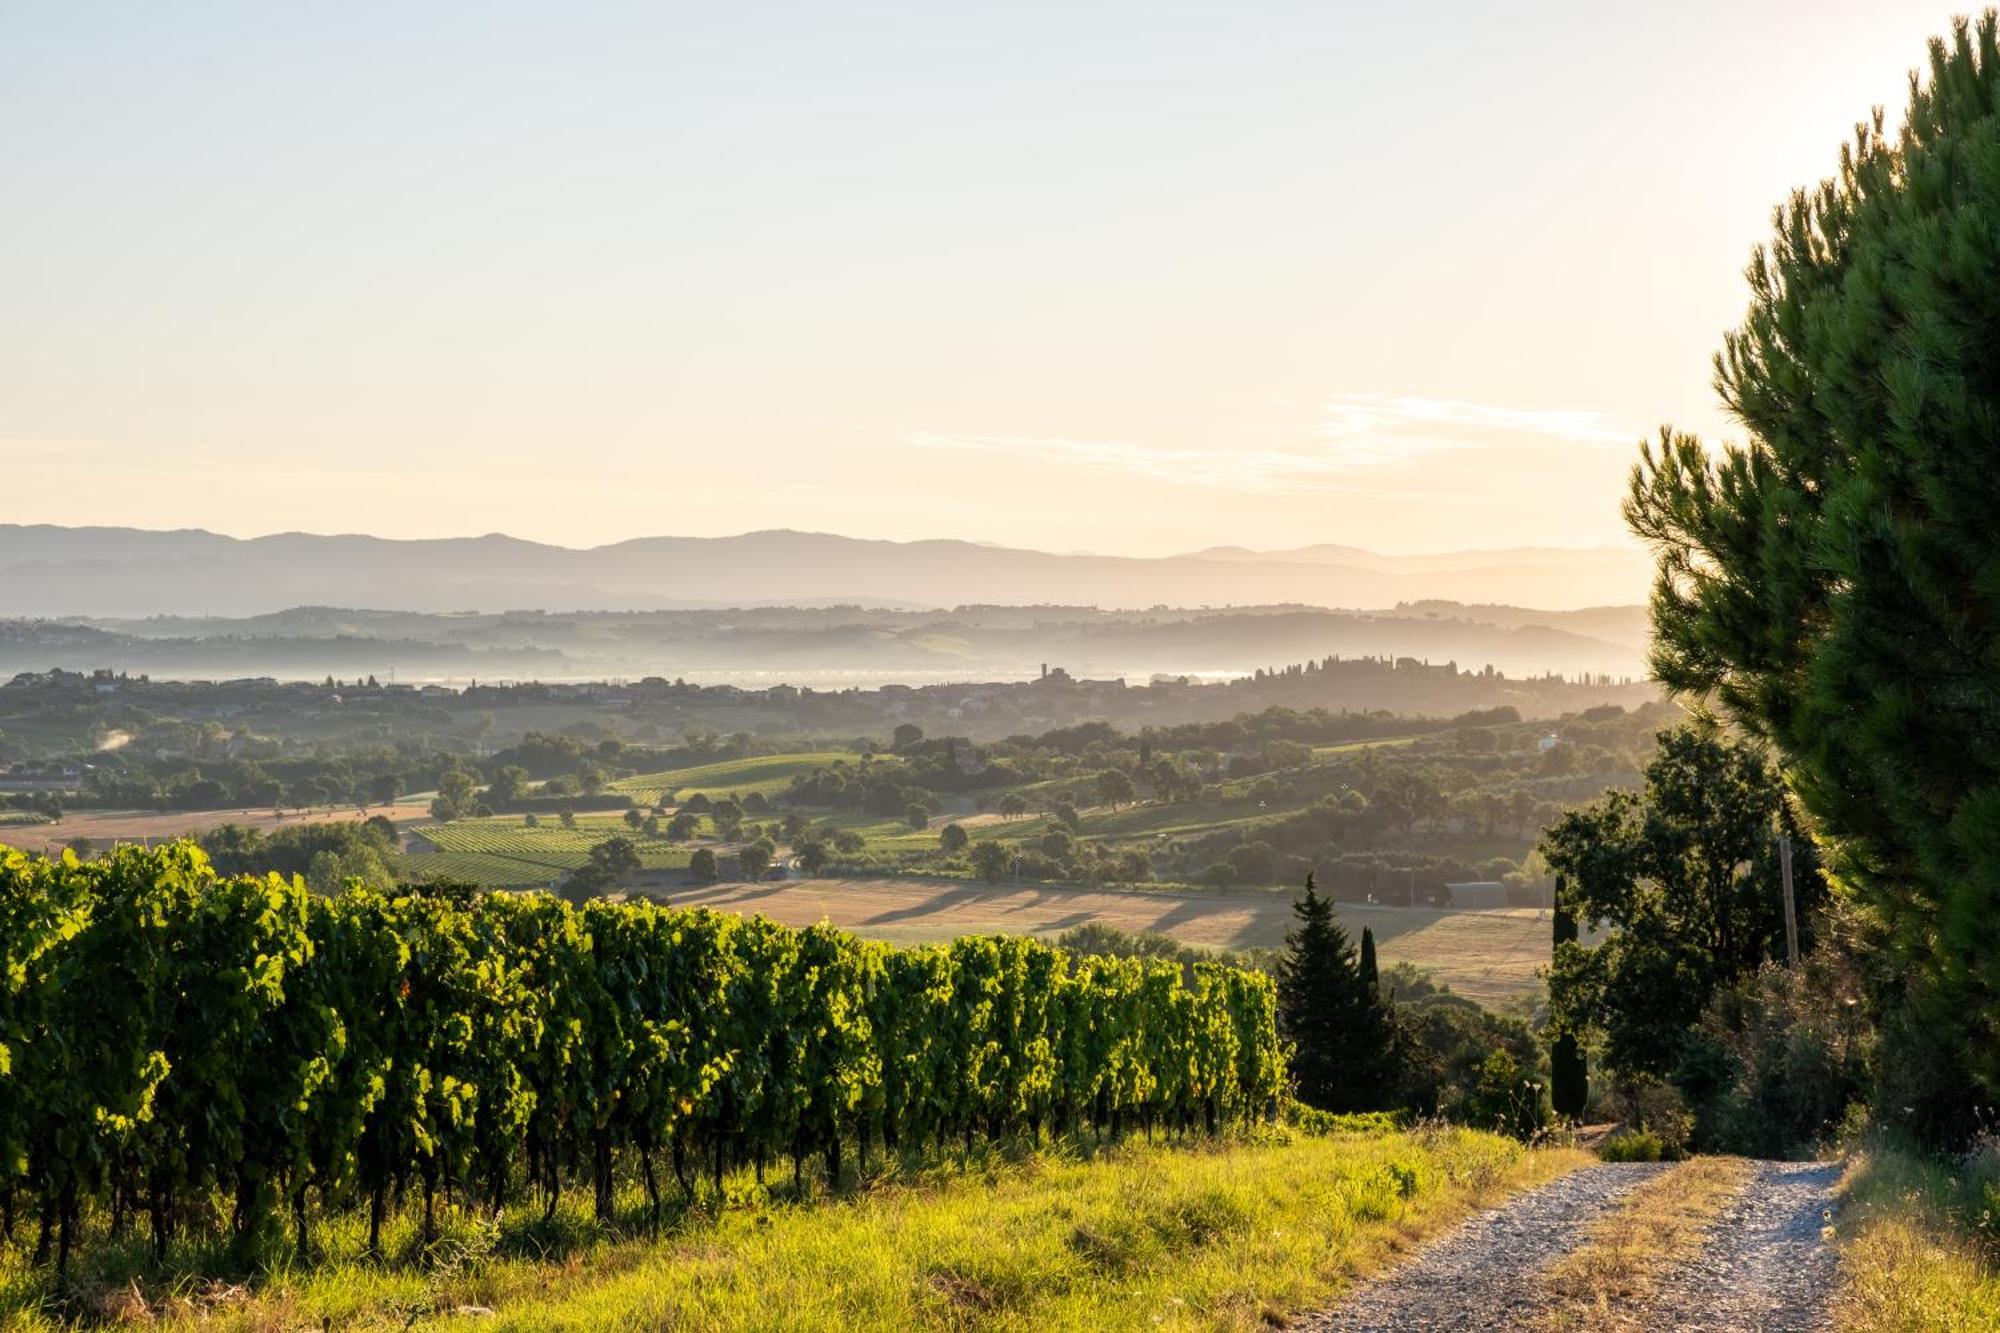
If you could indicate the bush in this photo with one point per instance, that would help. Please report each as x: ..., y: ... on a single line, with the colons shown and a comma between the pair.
x: 1649, y: 1105
x: 1632, y: 1145
x: 1508, y: 1099
x: 1443, y: 1045
x: 1779, y: 1058
x: 1312, y: 1120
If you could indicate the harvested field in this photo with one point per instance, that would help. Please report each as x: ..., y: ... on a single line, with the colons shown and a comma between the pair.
x: 107, y: 827
x: 764, y: 774
x: 1488, y: 956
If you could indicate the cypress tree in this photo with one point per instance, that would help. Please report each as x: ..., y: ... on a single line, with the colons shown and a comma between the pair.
x: 1569, y: 1078
x: 1370, y: 976
x: 1337, y: 1024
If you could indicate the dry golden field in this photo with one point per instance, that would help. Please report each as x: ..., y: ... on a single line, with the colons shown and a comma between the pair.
x: 106, y: 828
x: 1489, y: 956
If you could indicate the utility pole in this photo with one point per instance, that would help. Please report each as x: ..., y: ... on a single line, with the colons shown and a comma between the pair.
x: 1791, y: 908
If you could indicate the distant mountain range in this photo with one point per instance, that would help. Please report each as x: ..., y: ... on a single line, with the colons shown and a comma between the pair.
x: 127, y: 572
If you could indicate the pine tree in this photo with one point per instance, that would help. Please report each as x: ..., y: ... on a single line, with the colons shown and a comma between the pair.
x: 1831, y: 582
x: 1336, y: 1022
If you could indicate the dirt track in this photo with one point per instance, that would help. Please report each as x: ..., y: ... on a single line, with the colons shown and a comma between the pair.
x: 1764, y: 1266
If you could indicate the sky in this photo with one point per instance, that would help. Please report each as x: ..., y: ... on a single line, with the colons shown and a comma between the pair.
x: 1126, y: 278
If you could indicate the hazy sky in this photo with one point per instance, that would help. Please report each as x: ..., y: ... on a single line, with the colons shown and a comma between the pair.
x: 1127, y: 278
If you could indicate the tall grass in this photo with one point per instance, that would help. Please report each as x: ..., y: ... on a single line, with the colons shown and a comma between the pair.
x: 1920, y: 1242
x: 1220, y: 1235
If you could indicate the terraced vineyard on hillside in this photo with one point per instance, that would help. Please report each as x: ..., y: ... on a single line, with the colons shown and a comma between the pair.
x: 764, y: 774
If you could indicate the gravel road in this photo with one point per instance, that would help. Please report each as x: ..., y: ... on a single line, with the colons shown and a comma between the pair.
x: 1765, y: 1267
x: 1484, y: 1275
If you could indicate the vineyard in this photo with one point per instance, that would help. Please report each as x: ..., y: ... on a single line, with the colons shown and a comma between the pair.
x: 506, y: 852
x: 236, y: 1056
x: 766, y: 775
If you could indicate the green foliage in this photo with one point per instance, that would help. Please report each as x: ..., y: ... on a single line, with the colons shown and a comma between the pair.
x: 1653, y: 1106
x: 1835, y: 581
x: 1312, y: 1120
x: 755, y: 858
x: 608, y: 864
x: 1337, y: 1023
x: 166, y: 1035
x: 991, y: 861
x: 366, y: 851
x: 1780, y: 1059
x: 1634, y: 1145
x: 1453, y: 1059
x: 1685, y: 876
x: 1507, y: 1097
x: 1569, y: 1076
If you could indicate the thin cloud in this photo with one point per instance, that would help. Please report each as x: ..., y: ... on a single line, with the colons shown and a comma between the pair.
x: 1373, y: 429
x: 1362, y: 434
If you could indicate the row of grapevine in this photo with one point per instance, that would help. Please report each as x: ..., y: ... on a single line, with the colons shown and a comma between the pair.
x: 169, y: 1039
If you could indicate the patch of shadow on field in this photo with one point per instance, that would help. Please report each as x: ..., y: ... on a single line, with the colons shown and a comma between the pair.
x: 1183, y: 912
x: 1036, y: 900
x: 752, y: 895
x: 719, y: 897
x: 939, y: 902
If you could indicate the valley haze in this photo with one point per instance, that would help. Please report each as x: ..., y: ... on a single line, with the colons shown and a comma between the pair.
x: 808, y: 609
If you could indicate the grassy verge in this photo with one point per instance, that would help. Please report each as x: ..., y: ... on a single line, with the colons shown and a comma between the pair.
x: 1918, y: 1243
x: 1600, y: 1284
x: 1230, y: 1235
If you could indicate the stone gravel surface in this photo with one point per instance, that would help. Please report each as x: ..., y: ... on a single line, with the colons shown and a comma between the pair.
x: 1768, y: 1266
x: 1486, y: 1274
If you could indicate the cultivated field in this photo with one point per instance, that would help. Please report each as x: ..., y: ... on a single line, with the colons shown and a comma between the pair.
x: 105, y: 828
x: 505, y: 853
x: 766, y: 774
x: 1488, y: 956
x: 1348, y: 747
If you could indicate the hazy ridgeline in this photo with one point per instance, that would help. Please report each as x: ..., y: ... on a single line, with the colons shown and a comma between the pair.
x: 49, y: 571
x: 827, y: 647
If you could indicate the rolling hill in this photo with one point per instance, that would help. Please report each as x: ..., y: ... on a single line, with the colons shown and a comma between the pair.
x: 88, y: 571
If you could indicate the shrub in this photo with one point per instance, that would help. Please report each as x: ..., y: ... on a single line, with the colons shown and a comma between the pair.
x: 1651, y: 1106
x: 1779, y: 1058
x: 1312, y: 1120
x: 1632, y: 1145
